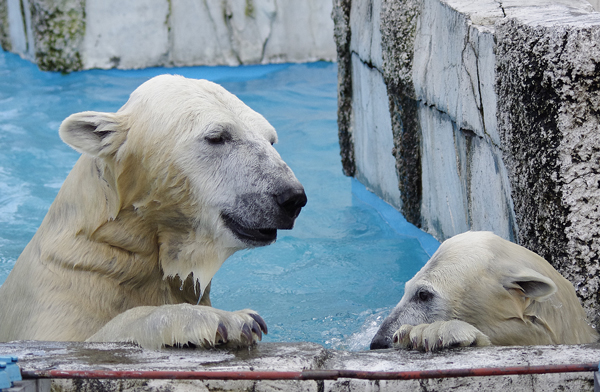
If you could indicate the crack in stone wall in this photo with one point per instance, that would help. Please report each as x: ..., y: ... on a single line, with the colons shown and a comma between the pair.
x: 502, y: 8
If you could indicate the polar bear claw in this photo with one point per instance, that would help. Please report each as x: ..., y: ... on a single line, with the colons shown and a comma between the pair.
x: 153, y: 327
x: 439, y: 335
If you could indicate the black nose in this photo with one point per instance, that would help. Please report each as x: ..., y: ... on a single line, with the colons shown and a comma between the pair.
x: 380, y: 342
x: 292, y: 200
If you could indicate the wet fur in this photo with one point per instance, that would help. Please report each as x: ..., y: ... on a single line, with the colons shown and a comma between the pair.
x: 129, y: 246
x: 506, y: 293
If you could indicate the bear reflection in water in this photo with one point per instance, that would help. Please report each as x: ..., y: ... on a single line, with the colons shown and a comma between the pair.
x: 166, y: 189
x: 479, y: 289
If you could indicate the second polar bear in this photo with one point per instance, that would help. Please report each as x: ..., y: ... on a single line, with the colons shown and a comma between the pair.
x: 167, y: 188
x: 479, y: 289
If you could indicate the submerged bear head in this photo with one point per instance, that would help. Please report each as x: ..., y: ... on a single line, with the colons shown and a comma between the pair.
x: 509, y: 293
x: 194, y: 166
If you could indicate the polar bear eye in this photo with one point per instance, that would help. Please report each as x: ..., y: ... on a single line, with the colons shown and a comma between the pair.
x: 218, y: 137
x: 424, y: 295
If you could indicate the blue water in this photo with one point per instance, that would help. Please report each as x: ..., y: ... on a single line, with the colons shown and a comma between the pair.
x: 330, y: 280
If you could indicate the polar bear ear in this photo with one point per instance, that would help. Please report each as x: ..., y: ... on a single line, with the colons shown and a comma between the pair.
x: 93, y: 133
x: 533, y: 284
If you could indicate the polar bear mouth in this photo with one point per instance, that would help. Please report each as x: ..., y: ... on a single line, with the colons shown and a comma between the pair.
x: 261, y: 236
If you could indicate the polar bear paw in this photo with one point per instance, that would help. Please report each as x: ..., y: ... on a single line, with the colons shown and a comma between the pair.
x: 439, y: 335
x: 153, y: 327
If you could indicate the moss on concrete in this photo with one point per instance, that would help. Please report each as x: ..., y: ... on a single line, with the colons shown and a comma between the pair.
x: 342, y: 35
x: 249, y: 11
x: 168, y: 17
x: 58, y: 28
x: 398, y: 29
x: 4, y: 33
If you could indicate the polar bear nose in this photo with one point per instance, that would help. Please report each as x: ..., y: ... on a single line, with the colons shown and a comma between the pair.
x: 292, y: 200
x: 380, y: 342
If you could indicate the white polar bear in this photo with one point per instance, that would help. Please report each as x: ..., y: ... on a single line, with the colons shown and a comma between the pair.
x: 167, y: 188
x: 479, y: 289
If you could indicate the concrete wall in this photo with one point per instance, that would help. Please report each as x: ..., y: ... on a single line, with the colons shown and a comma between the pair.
x: 82, y: 34
x: 484, y: 114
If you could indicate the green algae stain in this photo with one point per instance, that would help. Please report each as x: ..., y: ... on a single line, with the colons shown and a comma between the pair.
x: 249, y: 11
x: 4, y: 33
x: 59, y: 27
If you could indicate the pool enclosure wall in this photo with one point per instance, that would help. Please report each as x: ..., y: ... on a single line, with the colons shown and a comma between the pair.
x: 479, y: 116
x: 71, y: 35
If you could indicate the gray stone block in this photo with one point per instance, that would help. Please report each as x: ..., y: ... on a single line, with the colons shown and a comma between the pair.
x: 372, y: 132
x: 82, y: 34
x: 495, y: 114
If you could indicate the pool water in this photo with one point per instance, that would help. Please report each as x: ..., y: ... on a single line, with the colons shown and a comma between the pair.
x: 330, y: 280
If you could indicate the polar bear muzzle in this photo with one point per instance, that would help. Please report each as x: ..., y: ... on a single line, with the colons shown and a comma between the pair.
x: 286, y: 207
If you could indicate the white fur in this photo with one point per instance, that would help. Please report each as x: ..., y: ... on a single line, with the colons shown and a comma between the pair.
x: 479, y: 289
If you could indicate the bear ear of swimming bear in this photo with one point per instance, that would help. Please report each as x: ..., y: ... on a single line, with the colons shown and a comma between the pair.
x: 93, y: 133
x: 533, y: 284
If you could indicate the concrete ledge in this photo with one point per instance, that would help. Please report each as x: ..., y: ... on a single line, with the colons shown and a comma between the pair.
x: 303, y: 356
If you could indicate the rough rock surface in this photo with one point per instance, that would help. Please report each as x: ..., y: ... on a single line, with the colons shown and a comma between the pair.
x: 549, y: 114
x: 398, y: 29
x: 296, y: 357
x: 4, y: 37
x: 342, y: 34
x: 70, y: 35
x: 494, y: 115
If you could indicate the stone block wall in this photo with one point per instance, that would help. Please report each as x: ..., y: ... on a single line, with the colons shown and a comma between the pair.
x: 69, y: 35
x: 479, y: 116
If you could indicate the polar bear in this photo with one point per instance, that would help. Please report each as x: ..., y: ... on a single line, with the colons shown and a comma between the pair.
x: 167, y: 188
x: 479, y: 289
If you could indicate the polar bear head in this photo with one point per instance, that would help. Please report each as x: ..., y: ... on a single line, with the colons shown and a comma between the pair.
x: 509, y: 293
x: 195, y: 166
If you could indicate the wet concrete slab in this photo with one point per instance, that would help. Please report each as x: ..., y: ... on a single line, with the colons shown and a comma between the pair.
x: 299, y: 357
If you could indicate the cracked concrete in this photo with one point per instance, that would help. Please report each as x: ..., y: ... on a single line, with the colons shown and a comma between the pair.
x: 448, y: 68
x: 454, y: 74
x: 117, y: 34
